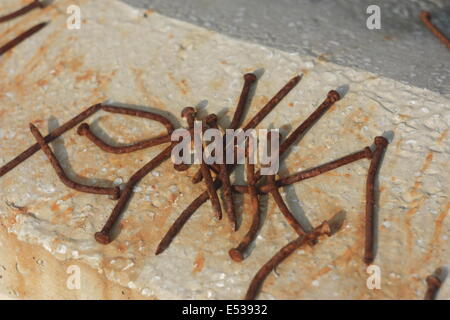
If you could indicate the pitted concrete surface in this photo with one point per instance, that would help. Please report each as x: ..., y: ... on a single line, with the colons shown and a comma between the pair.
x: 403, y: 49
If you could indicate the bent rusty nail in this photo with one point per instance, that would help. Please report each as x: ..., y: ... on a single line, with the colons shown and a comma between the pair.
x: 113, y: 192
x: 49, y: 138
x: 203, y: 197
x: 84, y: 130
x: 211, y: 120
x: 283, y: 207
x: 22, y: 37
x: 24, y: 10
x: 310, y: 239
x: 369, y: 249
x: 141, y: 114
x: 237, y: 254
x: 104, y: 236
x: 426, y: 19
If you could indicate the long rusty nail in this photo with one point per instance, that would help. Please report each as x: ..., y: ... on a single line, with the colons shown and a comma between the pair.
x: 114, y: 192
x: 84, y: 130
x: 49, y: 138
x: 31, y: 6
x: 203, y: 197
x: 310, y: 239
x: 433, y: 286
x: 369, y: 250
x: 28, y: 33
x: 366, y: 153
x: 272, y: 103
x: 209, y: 183
x: 331, y: 98
x: 249, y: 80
x: 237, y: 254
x: 426, y: 19
x: 211, y: 120
x: 104, y: 236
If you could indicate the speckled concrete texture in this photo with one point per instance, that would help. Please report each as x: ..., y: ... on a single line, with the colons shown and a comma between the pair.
x: 402, y: 49
x: 147, y: 60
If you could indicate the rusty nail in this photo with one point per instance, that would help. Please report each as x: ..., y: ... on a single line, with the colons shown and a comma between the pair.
x: 209, y: 183
x: 28, y: 33
x: 426, y: 19
x: 272, y: 103
x: 49, y: 138
x: 237, y: 254
x: 433, y: 286
x: 114, y: 192
x: 366, y: 153
x: 211, y: 120
x: 84, y: 130
x: 369, y: 250
x: 280, y: 256
x: 104, y: 236
x: 33, y: 5
x: 283, y: 207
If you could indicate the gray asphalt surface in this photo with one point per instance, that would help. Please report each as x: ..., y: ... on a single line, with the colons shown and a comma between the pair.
x: 403, y: 49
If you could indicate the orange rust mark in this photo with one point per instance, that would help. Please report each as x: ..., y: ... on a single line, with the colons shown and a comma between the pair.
x: 199, y: 262
x: 223, y: 62
x: 55, y: 207
x: 304, y: 71
x: 442, y: 136
x: 68, y: 211
x: 399, y: 142
x: 148, y: 12
x: 290, y: 104
x: 88, y: 74
x: 409, y: 215
x: 170, y: 36
x: 263, y: 99
x: 42, y: 82
x: 435, y: 243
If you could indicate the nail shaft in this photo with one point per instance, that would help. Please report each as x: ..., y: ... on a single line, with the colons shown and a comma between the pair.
x: 209, y: 183
x: 211, y: 120
x: 49, y: 138
x: 309, y: 173
x: 283, y: 207
x: 29, y: 7
x: 22, y: 37
x: 369, y: 252
x: 426, y: 19
x: 280, y: 256
x: 237, y: 254
x: 104, y: 236
x: 114, y: 192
